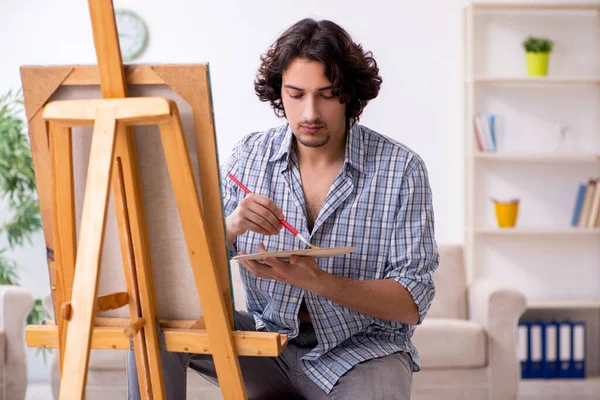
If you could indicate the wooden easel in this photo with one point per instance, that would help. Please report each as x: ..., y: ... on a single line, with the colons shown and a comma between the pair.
x: 113, y: 162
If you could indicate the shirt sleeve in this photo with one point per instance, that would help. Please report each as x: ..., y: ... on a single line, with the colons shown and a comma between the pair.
x: 414, y: 254
x: 229, y: 188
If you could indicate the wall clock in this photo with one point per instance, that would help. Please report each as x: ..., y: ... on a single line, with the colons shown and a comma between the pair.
x: 133, y: 34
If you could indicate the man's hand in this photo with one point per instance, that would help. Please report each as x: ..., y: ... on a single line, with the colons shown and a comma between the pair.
x: 302, y: 272
x: 254, y: 213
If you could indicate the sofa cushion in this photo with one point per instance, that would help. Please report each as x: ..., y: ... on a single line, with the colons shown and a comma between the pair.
x: 451, y: 343
x: 2, y: 348
x: 450, y: 280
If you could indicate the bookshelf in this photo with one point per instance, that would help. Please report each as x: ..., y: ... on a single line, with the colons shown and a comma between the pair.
x: 556, y: 265
x: 533, y: 158
x: 536, y: 231
x: 545, y: 81
x: 564, y: 304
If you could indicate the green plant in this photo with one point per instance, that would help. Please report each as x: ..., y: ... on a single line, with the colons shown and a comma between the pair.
x: 534, y: 44
x: 18, y: 191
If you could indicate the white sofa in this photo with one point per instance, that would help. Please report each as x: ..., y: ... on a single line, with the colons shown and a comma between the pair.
x: 467, y: 343
x: 15, y: 305
x: 468, y: 340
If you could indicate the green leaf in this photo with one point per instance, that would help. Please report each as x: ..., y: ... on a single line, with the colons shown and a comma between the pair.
x: 8, y: 270
x: 537, y: 45
x: 38, y: 314
x: 17, y: 177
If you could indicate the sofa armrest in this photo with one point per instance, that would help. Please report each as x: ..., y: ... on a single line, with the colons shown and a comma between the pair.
x: 15, y: 305
x: 498, y: 309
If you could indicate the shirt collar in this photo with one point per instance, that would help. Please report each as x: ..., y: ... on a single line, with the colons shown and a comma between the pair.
x: 355, y: 154
x: 284, y: 146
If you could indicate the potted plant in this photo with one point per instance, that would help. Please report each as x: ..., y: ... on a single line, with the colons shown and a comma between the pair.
x: 18, y: 193
x: 537, y: 51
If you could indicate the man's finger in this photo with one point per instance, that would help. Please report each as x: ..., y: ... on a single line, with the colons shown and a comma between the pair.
x: 269, y: 210
x: 275, y: 262
x: 263, y: 217
x: 256, y: 223
x: 258, y: 228
x: 251, y: 269
x: 298, y: 260
x: 270, y: 205
x: 262, y: 248
x: 262, y: 270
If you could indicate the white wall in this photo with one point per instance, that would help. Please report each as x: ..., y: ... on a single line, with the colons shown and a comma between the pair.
x: 417, y: 45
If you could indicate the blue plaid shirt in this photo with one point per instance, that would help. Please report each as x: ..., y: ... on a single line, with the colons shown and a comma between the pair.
x: 380, y: 203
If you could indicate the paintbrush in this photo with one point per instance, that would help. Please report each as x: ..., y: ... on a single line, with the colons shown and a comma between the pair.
x: 290, y: 228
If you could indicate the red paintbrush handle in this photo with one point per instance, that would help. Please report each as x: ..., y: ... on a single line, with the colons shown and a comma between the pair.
x: 240, y: 184
x: 289, y: 227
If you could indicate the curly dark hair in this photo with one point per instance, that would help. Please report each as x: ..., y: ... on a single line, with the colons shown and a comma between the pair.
x: 353, y: 72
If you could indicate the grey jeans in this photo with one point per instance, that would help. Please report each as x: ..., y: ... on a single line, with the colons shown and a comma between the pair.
x: 385, y: 378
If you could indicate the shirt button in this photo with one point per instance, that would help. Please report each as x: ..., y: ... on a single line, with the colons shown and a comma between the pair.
x: 294, y: 299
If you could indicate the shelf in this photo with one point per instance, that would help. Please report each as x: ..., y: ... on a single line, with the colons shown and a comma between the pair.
x: 532, y: 157
x: 544, y: 80
x: 562, y: 304
x: 537, y: 231
x: 576, y: 6
x: 583, y: 389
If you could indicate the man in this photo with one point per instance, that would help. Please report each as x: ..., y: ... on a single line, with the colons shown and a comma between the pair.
x: 349, y: 318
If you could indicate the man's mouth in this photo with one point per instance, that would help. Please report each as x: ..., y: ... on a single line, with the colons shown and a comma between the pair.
x: 311, y: 128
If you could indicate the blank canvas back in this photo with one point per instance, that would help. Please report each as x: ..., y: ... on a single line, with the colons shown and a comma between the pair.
x: 176, y: 292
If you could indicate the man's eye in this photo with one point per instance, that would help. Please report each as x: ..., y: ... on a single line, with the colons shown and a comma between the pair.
x: 296, y: 96
x: 327, y: 96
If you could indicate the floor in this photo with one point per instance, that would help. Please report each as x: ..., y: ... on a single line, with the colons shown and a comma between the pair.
x: 556, y: 390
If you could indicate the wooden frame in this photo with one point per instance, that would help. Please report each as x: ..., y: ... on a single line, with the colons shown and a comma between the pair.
x: 74, y: 266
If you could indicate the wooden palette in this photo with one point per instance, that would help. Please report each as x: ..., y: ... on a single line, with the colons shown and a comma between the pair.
x: 286, y: 254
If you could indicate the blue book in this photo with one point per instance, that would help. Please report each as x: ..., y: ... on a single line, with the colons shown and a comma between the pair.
x: 493, y: 131
x: 578, y: 205
x: 578, y: 354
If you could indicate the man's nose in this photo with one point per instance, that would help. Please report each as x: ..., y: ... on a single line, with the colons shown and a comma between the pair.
x: 311, y: 110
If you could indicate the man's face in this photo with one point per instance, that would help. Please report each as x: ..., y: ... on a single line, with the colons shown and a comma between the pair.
x: 314, y: 114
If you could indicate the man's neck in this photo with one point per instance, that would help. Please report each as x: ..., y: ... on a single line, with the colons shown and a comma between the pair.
x: 329, y: 155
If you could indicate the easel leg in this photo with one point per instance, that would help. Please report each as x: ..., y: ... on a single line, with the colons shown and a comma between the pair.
x: 126, y: 153
x: 85, y: 286
x: 113, y: 85
x: 203, y: 264
x: 141, y: 356
x: 64, y: 223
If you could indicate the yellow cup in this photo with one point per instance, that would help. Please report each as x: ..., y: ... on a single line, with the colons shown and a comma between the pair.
x: 506, y: 213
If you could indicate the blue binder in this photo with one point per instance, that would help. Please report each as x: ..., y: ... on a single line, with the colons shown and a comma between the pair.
x: 536, y: 346
x: 578, y: 350
x: 523, y: 348
x: 550, y: 350
x: 565, y: 349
